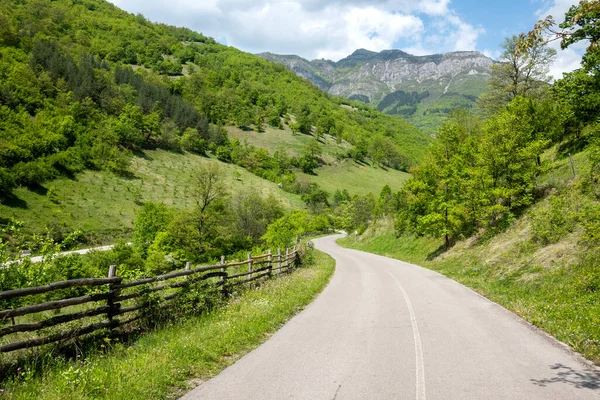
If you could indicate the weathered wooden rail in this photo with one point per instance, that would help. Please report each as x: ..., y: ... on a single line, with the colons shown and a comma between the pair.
x: 111, y: 290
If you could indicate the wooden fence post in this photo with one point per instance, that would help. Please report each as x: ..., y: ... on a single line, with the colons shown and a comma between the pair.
x: 188, y: 266
x: 113, y: 307
x: 270, y: 263
x: 295, y: 257
x: 279, y: 259
x: 249, y: 266
x: 223, y: 277
x: 287, y: 256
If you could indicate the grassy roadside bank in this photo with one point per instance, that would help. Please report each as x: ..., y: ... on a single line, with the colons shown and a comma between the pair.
x: 161, y: 364
x: 546, y: 285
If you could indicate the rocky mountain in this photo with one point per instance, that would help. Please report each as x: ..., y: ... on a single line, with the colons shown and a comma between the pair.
x: 423, y: 89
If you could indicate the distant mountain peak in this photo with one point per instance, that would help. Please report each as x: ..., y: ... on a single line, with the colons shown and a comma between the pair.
x: 421, y: 88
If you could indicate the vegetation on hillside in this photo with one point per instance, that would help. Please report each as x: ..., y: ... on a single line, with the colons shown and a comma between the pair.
x: 70, y: 99
x: 482, y: 173
x: 88, y: 90
x: 509, y: 204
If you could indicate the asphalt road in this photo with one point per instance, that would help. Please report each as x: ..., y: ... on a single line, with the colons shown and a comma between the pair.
x: 385, y: 329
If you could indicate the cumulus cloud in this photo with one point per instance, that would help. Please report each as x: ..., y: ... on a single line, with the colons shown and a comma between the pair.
x: 329, y: 29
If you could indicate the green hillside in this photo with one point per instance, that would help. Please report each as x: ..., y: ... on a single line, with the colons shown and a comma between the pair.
x: 103, y: 110
x: 508, y: 203
x: 104, y: 205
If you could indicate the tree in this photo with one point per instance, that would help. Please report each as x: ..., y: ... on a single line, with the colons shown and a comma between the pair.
x: 310, y: 157
x: 304, y: 119
x: 385, y: 153
x: 581, y: 23
x: 316, y: 199
x: 152, y: 218
x: 578, y: 91
x: 191, y: 141
x: 384, y: 202
x: 208, y: 185
x: 282, y: 232
x: 223, y: 153
x: 252, y: 213
x: 340, y: 197
x: 509, y: 154
x: 521, y: 72
x: 442, y: 199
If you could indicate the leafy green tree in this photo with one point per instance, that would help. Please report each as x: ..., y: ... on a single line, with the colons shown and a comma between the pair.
x: 385, y: 153
x: 340, y: 197
x: 191, y: 141
x: 509, y: 155
x: 309, y: 160
x: 581, y: 23
x: 316, y: 199
x: 282, y: 232
x: 151, y: 219
x: 521, y: 72
x: 252, y: 213
x: 384, y: 201
x: 208, y: 186
x: 304, y: 119
x: 223, y: 153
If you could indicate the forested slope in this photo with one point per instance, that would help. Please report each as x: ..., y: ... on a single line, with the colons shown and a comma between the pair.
x: 84, y: 85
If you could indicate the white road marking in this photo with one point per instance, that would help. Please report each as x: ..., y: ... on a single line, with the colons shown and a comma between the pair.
x: 420, y: 366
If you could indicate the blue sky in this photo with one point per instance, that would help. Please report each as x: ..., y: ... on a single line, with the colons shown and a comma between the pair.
x: 333, y: 29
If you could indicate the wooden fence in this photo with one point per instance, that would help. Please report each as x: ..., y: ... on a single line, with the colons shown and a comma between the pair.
x: 117, y: 295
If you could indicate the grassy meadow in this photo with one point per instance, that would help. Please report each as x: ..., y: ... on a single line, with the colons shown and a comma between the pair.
x: 357, y: 178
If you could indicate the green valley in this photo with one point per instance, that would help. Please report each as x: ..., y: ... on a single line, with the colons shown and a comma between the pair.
x: 183, y: 153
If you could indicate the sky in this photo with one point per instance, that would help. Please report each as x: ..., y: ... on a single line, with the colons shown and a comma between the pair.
x: 334, y: 29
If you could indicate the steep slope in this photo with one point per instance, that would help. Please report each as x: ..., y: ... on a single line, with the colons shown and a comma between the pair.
x: 88, y: 90
x: 422, y: 88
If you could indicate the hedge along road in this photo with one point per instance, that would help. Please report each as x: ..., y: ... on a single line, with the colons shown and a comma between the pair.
x: 385, y: 329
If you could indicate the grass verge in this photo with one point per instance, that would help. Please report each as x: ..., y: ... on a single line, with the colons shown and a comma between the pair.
x: 548, y: 285
x: 161, y: 364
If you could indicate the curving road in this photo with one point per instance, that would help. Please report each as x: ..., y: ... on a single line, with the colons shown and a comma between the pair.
x: 385, y: 329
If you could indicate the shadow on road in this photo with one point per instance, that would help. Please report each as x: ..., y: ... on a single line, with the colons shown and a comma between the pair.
x: 565, y: 374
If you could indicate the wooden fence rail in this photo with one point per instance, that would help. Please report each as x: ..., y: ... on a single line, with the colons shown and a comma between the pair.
x: 110, y: 291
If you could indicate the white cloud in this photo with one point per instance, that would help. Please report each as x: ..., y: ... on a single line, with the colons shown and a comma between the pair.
x: 462, y: 36
x: 493, y: 54
x: 569, y: 59
x: 317, y: 28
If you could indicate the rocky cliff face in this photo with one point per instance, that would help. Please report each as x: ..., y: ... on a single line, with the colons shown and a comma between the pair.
x: 424, y: 89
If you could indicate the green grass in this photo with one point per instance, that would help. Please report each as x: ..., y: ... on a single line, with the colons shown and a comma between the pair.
x: 547, y: 285
x: 381, y: 239
x: 357, y: 178
x: 559, y: 172
x: 272, y: 139
x: 335, y: 175
x: 104, y: 205
x: 161, y: 364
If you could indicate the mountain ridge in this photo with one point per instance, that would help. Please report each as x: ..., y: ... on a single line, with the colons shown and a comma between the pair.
x: 424, y: 89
